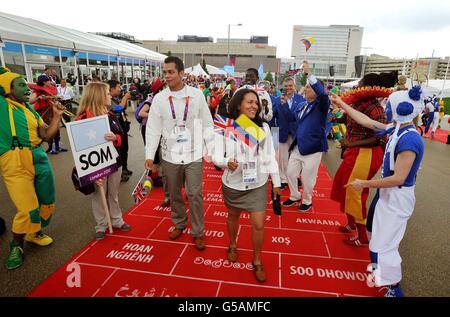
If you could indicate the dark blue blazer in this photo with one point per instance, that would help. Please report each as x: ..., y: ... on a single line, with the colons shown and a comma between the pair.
x: 311, y: 131
x: 286, y: 118
x: 273, y: 122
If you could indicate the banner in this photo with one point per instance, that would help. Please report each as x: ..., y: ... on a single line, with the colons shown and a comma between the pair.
x: 229, y: 69
x: 94, y: 157
x: 261, y: 71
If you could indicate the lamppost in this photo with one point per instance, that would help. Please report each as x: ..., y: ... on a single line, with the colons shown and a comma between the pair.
x: 228, y: 54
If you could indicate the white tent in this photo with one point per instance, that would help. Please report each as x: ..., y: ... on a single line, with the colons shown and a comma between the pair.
x: 196, y: 70
x: 435, y: 87
x: 21, y: 29
x: 212, y: 70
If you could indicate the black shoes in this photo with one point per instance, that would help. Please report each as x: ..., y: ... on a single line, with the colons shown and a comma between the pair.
x: 290, y: 202
x: 126, y: 171
x: 305, y: 208
x: 124, y: 178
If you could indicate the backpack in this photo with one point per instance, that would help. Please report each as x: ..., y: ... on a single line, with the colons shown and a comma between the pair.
x: 139, y: 108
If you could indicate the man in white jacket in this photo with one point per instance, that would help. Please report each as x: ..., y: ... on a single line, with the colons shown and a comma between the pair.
x: 180, y: 116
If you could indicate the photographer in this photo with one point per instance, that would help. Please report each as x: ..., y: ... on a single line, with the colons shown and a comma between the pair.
x: 65, y: 95
x: 71, y: 79
x: 118, y: 106
x: 134, y: 90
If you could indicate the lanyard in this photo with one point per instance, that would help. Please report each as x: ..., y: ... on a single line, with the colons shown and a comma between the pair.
x: 186, y: 108
x: 304, y: 110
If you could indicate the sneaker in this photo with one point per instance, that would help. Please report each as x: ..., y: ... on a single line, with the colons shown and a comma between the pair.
x: 38, y: 238
x: 126, y: 171
x: 394, y: 291
x: 124, y: 178
x: 61, y: 149
x: 100, y: 235
x: 290, y: 202
x: 15, y: 257
x: 53, y: 152
x: 124, y: 227
x: 305, y: 208
x: 356, y: 242
x: 347, y: 228
x: 199, y: 243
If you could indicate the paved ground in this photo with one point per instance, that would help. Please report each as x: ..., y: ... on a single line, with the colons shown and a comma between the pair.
x: 425, y: 248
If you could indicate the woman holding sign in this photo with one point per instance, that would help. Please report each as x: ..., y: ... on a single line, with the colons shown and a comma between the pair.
x: 94, y: 102
x: 248, y: 161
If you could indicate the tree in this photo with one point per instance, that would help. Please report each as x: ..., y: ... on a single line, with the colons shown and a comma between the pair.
x: 204, y: 66
x: 269, y: 77
x: 169, y: 53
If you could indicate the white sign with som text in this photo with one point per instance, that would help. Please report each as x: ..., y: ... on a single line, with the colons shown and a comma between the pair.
x: 94, y: 156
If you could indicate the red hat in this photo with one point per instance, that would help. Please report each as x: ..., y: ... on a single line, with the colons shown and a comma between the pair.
x: 157, y: 85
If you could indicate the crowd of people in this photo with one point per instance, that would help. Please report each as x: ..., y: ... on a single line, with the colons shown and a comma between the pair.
x: 374, y: 124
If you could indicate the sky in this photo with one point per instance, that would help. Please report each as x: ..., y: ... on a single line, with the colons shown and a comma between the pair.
x: 395, y: 28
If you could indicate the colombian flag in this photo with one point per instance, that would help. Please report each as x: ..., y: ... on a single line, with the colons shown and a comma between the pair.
x: 247, y: 131
x: 308, y: 42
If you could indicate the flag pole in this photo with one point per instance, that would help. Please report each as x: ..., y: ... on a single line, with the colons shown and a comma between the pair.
x: 140, y: 180
x: 445, y: 78
x: 429, y: 66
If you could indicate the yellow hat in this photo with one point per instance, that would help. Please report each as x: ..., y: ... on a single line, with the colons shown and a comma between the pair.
x: 6, y: 78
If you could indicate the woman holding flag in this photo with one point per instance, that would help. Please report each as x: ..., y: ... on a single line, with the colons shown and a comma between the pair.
x: 248, y: 157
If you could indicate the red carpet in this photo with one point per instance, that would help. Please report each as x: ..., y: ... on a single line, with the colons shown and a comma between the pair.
x: 303, y: 255
x: 440, y: 136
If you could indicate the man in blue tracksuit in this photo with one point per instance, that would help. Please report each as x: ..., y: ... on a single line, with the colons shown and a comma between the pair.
x: 310, y: 142
x: 433, y: 115
x: 284, y: 110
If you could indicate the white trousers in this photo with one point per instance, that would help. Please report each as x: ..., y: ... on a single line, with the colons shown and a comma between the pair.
x: 284, y: 159
x: 435, y: 122
x: 392, y: 212
x: 111, y: 189
x: 307, y: 167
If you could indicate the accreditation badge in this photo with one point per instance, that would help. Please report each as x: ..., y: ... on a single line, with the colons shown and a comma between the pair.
x: 180, y: 133
x: 249, y: 174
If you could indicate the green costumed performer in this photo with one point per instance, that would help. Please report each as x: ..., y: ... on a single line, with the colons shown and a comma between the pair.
x: 24, y: 165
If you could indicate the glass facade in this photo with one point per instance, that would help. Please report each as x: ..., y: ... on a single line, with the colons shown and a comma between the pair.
x: 31, y: 61
x: 13, y: 55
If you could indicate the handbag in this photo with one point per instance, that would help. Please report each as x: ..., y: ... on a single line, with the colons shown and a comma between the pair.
x: 87, y: 189
x: 276, y: 204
